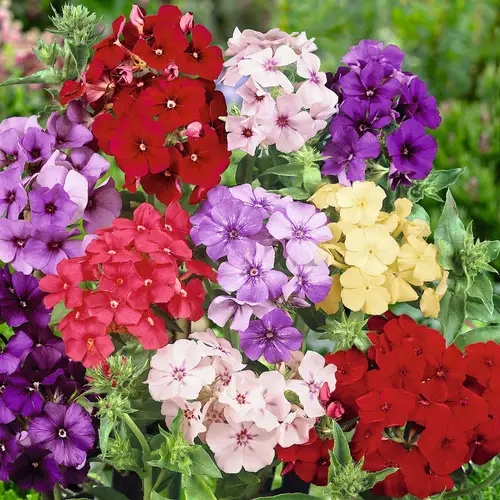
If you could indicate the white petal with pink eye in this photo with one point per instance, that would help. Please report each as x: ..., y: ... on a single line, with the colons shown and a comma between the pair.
x: 192, y: 424
x: 295, y: 429
x: 327, y: 107
x: 308, y: 394
x: 289, y: 140
x: 288, y: 105
x: 256, y: 101
x: 303, y: 123
x: 285, y: 55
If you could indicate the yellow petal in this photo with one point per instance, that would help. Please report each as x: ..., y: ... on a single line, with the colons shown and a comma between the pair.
x: 353, y: 299
x: 430, y: 303
x: 352, y: 278
x: 376, y: 301
x: 332, y: 301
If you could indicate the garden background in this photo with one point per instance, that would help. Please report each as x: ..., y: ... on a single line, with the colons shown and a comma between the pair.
x: 453, y: 45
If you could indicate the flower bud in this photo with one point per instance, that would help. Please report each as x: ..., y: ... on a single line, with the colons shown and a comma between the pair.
x: 187, y: 22
x: 137, y: 18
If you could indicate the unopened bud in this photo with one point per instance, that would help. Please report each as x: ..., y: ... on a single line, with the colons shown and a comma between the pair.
x: 187, y: 22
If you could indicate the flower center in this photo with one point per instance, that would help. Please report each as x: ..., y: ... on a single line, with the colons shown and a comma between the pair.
x: 111, y: 252
x: 151, y: 321
x: 243, y: 437
x: 323, y: 461
x: 50, y: 208
x: 194, y: 157
x: 142, y: 146
x: 241, y: 399
x: 90, y: 345
x: 62, y: 433
x: 441, y: 372
x: 247, y: 132
x: 489, y: 363
x: 20, y: 243
x: 2, y: 447
x: 189, y: 414
x: 159, y: 52
x: 113, y: 304
x: 386, y: 407
x: 148, y: 282
x: 233, y: 233
x: 362, y: 127
x: 269, y: 334
x: 405, y: 151
x: 23, y: 304
x: 35, y: 465
x: 11, y: 197
x: 350, y: 157
x: 119, y: 281
x: 282, y: 121
x: 54, y: 245
x: 171, y: 104
x: 196, y: 55
x: 140, y: 228
x: 446, y: 442
x: 179, y: 373
x: 254, y: 271
x: 369, y: 93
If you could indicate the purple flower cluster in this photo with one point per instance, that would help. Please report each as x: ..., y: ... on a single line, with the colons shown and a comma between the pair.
x: 244, y: 228
x: 48, y: 181
x: 44, y: 434
x: 377, y: 97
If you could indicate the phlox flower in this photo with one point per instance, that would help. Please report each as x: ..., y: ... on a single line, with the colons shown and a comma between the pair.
x: 360, y: 203
x: 314, y: 374
x: 175, y: 372
x: 256, y: 101
x: 311, y: 280
x: 241, y: 445
x: 421, y: 257
x: 243, y: 133
x: 192, y: 423
x: 260, y: 198
x: 295, y: 429
x: 313, y: 89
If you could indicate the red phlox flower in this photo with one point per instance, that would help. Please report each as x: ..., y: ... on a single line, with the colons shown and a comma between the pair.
x: 163, y: 248
x: 444, y: 376
x: 366, y: 439
x: 187, y: 301
x: 388, y: 454
x: 348, y: 395
x: 377, y: 323
x: 428, y: 411
x: 156, y: 281
x: 78, y: 314
x: 484, y: 442
x: 150, y: 330
x: 202, y: 269
x: 215, y: 108
x: 70, y: 91
x: 483, y: 363
x: 468, y: 409
x: 63, y: 285
x: 127, y: 97
x: 377, y: 381
x: 404, y: 368
x: 176, y: 222
x: 146, y: 218
x: 88, y: 342
x: 108, y: 307
x: 176, y: 103
x: 166, y: 45
x: 104, y: 128
x: 198, y: 195
x: 120, y: 278
x: 421, y: 480
x: 380, y: 345
x: 493, y: 400
x: 109, y: 50
x: 200, y: 58
x: 391, y: 406
x: 138, y: 146
x: 427, y: 343
x: 111, y: 247
x: 351, y: 365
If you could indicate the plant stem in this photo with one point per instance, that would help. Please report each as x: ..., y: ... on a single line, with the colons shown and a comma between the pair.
x: 159, y: 479
x: 476, y: 487
x: 57, y: 492
x: 147, y: 483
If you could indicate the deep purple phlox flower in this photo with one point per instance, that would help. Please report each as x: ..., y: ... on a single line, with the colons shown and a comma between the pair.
x: 89, y: 163
x: 267, y: 203
x: 273, y: 337
x: 77, y: 112
x: 67, y: 133
x: 66, y: 431
x: 14, y: 353
x: 8, y: 451
x: 249, y: 271
x: 11, y: 153
x: 103, y: 207
x: 333, y: 81
x: 51, y: 207
x: 13, y: 199
x: 303, y: 227
x: 311, y: 280
x: 230, y: 222
x: 14, y: 235
x: 6, y: 414
x: 42, y: 337
x: 37, y: 144
x: 35, y: 468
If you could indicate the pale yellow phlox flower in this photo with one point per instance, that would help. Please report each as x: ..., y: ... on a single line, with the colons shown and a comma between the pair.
x: 335, y: 243
x: 331, y: 303
x: 397, y: 282
x: 416, y: 227
x: 326, y: 196
x: 430, y: 302
x: 395, y: 221
x: 360, y: 203
x: 420, y: 256
x: 360, y: 291
x: 371, y: 249
x: 330, y: 256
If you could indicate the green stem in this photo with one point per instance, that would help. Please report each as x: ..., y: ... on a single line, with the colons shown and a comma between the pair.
x: 159, y: 479
x: 477, y: 487
x: 57, y: 492
x: 147, y: 483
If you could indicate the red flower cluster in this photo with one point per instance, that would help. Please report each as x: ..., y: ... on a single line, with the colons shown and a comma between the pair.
x: 159, y: 125
x: 423, y: 407
x: 129, y: 268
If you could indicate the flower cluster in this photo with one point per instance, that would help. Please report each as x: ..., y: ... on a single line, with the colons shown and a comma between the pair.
x: 127, y: 269
x: 50, y: 182
x: 44, y: 434
x: 244, y: 225
x: 159, y: 122
x: 423, y: 407
x: 381, y: 256
x: 381, y: 107
x: 240, y: 416
x: 285, y: 100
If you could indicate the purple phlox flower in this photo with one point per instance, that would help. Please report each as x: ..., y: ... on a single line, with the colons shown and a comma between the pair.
x: 72, y: 475
x: 77, y: 112
x: 389, y: 57
x: 42, y: 337
x: 11, y: 153
x: 348, y: 151
x: 89, y: 163
x: 397, y: 178
x: 37, y: 145
x: 223, y: 308
x: 273, y: 336
x: 67, y: 133
x: 14, y: 353
x: 20, y: 124
x: 103, y: 207
x: 14, y: 235
x: 230, y: 222
x: 412, y: 151
x: 267, y: 203
x: 6, y: 286
x: 311, y: 280
x: 13, y: 199
x: 25, y: 303
x: 249, y: 271
x: 416, y: 102
x: 370, y: 84
x: 363, y: 116
x: 35, y: 468
x: 303, y: 227
x: 214, y: 196
x: 8, y: 451
x: 49, y: 246
x: 51, y: 207
x: 6, y: 414
x: 66, y: 431
x: 23, y: 439
x: 23, y: 394
x: 333, y: 81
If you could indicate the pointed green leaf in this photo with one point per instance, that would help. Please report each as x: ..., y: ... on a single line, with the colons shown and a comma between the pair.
x: 287, y: 170
x: 80, y: 54
x: 484, y: 334
x: 493, y: 248
x: 477, y: 310
x: 248, y: 477
x: 450, y: 228
x: 47, y: 76
x: 105, y: 428
x: 244, y: 171
x: 375, y: 477
x: 341, y: 447
x: 202, y: 463
x: 482, y: 289
x: 311, y: 179
x: 195, y: 488
x: 295, y: 192
x: 419, y: 212
x: 452, y: 314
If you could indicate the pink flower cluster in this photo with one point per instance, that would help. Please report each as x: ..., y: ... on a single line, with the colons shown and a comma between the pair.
x: 274, y: 110
x: 239, y: 415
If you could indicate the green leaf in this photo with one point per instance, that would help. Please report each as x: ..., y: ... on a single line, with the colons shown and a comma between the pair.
x: 493, y: 249
x: 289, y: 496
x: 46, y: 53
x: 419, y: 212
x: 450, y: 228
x: 195, y: 488
x: 47, y: 76
x: 375, y: 477
x: 248, y: 477
x: 452, y: 314
x: 475, y: 309
x: 311, y: 179
x: 295, y: 192
x: 105, y: 428
x: 287, y: 170
x: 80, y: 54
x: 157, y: 496
x: 175, y: 426
x: 244, y: 171
x: 484, y: 334
x: 105, y: 493
x: 482, y: 289
x: 341, y: 447
x: 203, y: 463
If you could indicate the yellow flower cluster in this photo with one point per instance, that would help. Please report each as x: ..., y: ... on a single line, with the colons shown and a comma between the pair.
x: 380, y: 256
